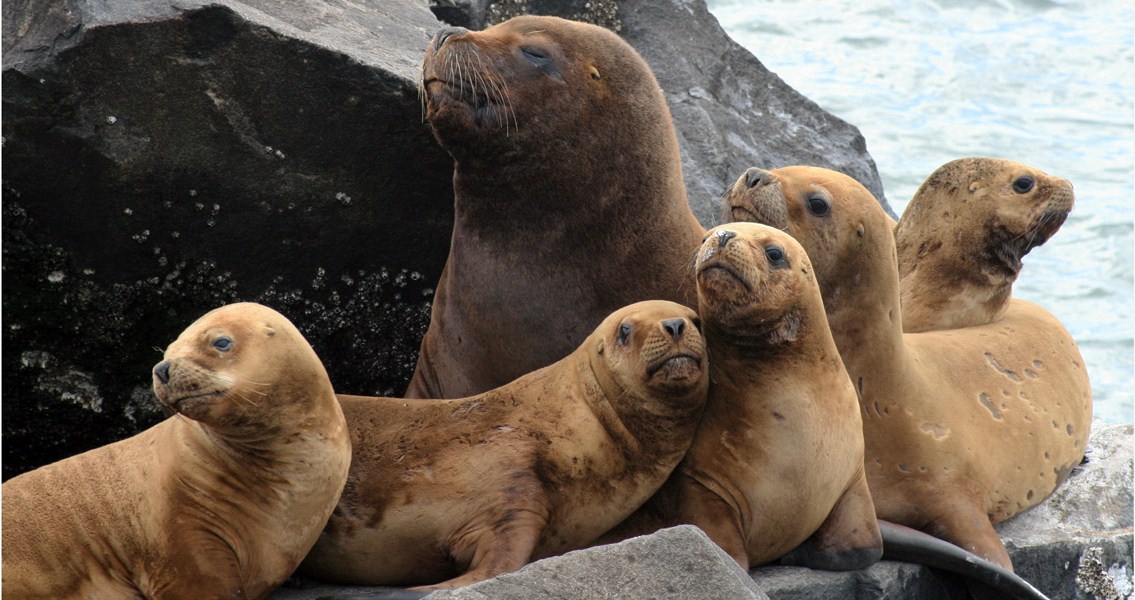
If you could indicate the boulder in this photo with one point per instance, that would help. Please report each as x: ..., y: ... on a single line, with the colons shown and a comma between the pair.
x: 163, y: 159
x: 731, y: 113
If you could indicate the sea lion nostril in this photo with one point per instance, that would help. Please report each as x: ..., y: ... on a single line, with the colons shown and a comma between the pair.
x: 723, y: 237
x: 162, y: 371
x: 444, y: 34
x: 755, y: 177
x: 675, y: 327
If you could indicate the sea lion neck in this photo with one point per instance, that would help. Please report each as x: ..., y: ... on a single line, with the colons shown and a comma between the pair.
x: 269, y: 442
x: 863, y: 304
x: 605, y: 396
x: 640, y: 422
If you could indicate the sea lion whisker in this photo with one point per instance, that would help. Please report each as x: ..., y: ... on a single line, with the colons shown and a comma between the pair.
x: 236, y: 394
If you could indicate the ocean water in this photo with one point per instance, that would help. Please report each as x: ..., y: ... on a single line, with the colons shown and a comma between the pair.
x: 1049, y: 83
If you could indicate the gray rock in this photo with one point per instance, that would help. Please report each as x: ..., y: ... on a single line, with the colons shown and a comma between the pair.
x: 680, y: 562
x: 161, y: 159
x: 731, y: 113
x: 1083, y: 532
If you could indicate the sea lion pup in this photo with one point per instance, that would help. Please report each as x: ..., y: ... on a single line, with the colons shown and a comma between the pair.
x: 961, y: 239
x: 221, y: 500
x: 569, y: 199
x: 778, y: 457
x: 450, y: 492
x: 964, y: 427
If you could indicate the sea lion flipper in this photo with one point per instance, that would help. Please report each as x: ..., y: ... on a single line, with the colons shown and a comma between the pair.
x: 505, y: 546
x: 848, y: 539
x: 965, y: 524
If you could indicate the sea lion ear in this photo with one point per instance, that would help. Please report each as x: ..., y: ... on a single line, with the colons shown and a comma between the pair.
x: 594, y: 72
x: 600, y: 351
x: 269, y: 330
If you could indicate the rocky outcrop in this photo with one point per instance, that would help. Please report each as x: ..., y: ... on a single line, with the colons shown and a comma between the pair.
x: 161, y: 159
x: 1076, y: 545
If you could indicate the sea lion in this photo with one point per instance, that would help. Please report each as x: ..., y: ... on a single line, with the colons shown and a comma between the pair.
x: 569, y: 198
x: 965, y: 427
x: 961, y: 239
x: 778, y: 457
x: 444, y: 493
x: 221, y: 500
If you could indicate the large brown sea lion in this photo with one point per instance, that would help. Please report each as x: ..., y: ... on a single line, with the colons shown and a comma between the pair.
x: 222, y: 500
x: 965, y: 427
x: 961, y: 239
x: 449, y: 492
x: 569, y: 198
x: 778, y: 457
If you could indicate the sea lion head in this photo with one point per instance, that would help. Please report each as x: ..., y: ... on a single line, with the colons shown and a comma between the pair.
x: 240, y: 365
x: 751, y: 279
x: 652, y: 349
x: 1007, y: 208
x: 833, y: 217
x: 532, y: 83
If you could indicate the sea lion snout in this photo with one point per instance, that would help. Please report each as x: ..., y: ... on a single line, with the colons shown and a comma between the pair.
x: 675, y: 327
x: 161, y: 371
x: 754, y: 177
x: 757, y: 196
x: 445, y: 34
x: 723, y: 237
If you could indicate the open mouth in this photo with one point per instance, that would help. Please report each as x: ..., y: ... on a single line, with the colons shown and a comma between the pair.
x: 681, y: 365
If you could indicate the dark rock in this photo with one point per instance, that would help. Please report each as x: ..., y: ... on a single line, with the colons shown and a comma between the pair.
x: 731, y: 112
x: 160, y: 161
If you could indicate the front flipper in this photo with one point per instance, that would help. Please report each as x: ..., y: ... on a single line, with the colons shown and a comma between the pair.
x: 962, y: 523
x: 505, y: 544
x: 909, y: 545
x: 847, y: 540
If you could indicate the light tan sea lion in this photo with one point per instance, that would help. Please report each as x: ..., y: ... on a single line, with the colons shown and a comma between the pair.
x: 445, y: 493
x: 778, y: 458
x: 222, y: 500
x: 964, y: 428
x: 961, y: 239
x: 569, y: 198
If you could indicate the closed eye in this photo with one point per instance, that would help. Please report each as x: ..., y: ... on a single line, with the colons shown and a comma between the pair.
x: 535, y: 55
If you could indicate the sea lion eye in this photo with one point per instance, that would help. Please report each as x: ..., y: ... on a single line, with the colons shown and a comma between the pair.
x: 1023, y: 185
x: 535, y: 55
x: 624, y: 332
x: 775, y: 256
x: 697, y: 323
x: 223, y: 344
x: 818, y: 205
